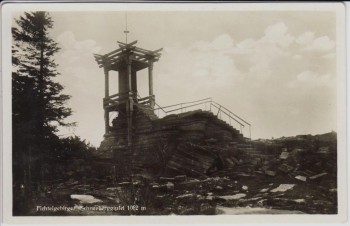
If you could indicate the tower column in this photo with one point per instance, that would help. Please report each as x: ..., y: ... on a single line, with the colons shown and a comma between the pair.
x: 106, y: 71
x: 130, y: 102
x: 129, y: 74
x: 150, y: 83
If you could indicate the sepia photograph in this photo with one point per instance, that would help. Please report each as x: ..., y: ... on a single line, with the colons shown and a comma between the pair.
x: 191, y: 110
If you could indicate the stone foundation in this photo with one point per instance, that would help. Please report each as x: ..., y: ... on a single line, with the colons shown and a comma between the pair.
x: 154, y: 141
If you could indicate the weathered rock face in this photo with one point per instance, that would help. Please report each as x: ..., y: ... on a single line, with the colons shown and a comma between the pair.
x: 157, y: 144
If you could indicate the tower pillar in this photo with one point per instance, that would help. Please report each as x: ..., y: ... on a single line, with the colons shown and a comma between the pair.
x: 130, y: 102
x: 150, y: 84
x: 106, y: 116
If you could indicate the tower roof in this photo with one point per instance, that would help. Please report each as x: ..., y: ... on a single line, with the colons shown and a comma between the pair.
x: 141, y: 58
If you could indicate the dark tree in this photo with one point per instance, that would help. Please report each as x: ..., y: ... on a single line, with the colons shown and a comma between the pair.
x: 38, y: 104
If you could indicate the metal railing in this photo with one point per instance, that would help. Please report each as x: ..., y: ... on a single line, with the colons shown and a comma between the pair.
x: 209, y: 105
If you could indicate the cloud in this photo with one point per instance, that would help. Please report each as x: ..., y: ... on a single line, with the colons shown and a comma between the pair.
x: 312, y: 43
x: 264, y: 57
x: 311, y: 79
x: 73, y: 50
x: 275, y: 52
x: 76, y: 56
x: 305, y: 38
x: 67, y: 40
x: 221, y: 60
x: 322, y: 44
x: 259, y: 58
x: 297, y: 57
x: 277, y: 33
x: 80, y: 75
x: 276, y: 57
x: 223, y: 43
x: 196, y: 63
x: 265, y: 51
x: 245, y: 47
x: 329, y: 55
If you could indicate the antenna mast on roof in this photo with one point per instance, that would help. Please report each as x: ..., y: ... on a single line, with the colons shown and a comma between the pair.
x: 126, y: 28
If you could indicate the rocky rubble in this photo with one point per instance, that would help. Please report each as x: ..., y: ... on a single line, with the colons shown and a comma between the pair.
x: 208, y: 196
x: 286, y: 179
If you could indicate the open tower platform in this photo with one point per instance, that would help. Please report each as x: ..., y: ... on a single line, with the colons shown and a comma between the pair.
x: 137, y: 139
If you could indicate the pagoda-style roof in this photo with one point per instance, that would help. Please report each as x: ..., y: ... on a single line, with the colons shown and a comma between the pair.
x: 141, y: 58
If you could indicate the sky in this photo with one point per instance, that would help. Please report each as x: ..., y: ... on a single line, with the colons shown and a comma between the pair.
x: 277, y: 70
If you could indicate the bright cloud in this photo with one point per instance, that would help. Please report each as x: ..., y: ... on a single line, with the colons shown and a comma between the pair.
x: 312, y: 43
x: 223, y: 43
x: 205, y: 68
x: 322, y: 44
x: 305, y: 38
x: 312, y: 79
x: 73, y: 50
x: 82, y: 80
x: 262, y: 53
x: 277, y: 33
x: 222, y: 61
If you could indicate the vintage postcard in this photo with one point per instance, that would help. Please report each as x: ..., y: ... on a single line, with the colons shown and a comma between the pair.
x: 186, y: 112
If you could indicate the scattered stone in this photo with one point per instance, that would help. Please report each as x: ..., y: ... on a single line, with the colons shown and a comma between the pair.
x: 285, y: 168
x: 85, y: 198
x: 264, y: 190
x: 170, y: 186
x: 299, y: 200
x: 166, y: 179
x: 124, y: 183
x: 180, y: 178
x: 301, y: 178
x: 112, y: 188
x: 283, y: 188
x: 244, y: 174
x: 211, y: 140
x: 318, y: 175
x: 284, y: 155
x: 261, y: 202
x: 270, y: 173
x: 233, y: 197
x: 155, y: 186
x: 209, y: 197
x: 193, y: 181
x: 185, y: 196
x: 136, y: 183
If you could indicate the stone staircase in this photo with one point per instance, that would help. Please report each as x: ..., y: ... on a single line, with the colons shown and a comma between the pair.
x: 201, y: 113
